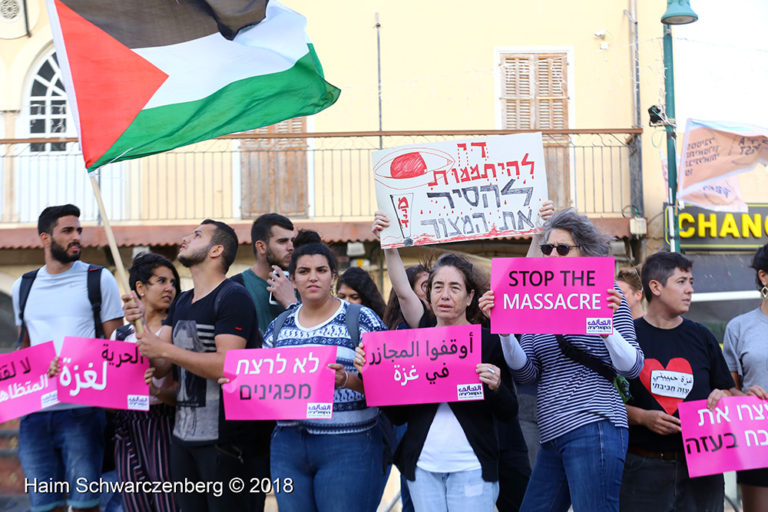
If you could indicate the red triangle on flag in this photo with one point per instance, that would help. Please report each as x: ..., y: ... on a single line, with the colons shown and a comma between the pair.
x: 112, y: 83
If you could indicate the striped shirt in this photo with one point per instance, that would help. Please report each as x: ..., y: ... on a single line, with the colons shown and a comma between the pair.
x: 350, y: 412
x: 570, y: 395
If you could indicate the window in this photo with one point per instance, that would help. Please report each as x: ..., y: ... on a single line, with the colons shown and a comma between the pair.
x: 48, y: 106
x: 534, y: 91
x: 274, y: 172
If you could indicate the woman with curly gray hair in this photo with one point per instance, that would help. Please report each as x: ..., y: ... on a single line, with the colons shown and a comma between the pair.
x: 582, y: 418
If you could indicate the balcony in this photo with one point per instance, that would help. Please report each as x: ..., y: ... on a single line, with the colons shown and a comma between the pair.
x: 321, y: 179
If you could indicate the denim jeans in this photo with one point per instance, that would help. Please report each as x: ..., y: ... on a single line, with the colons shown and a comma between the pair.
x: 582, y: 467
x: 452, y: 492
x: 664, y: 486
x: 328, y: 472
x: 65, y: 447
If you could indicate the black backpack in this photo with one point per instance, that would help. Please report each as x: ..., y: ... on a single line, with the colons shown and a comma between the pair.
x: 94, y: 296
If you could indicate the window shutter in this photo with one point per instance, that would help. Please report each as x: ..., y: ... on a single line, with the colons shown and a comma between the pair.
x: 534, y: 92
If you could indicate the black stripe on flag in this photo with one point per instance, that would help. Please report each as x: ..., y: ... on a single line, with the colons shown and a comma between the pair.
x: 150, y: 23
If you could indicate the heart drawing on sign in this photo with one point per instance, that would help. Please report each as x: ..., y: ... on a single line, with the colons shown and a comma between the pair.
x: 678, y: 365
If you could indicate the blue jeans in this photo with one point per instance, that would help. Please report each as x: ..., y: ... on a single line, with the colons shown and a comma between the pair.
x: 582, y: 467
x: 66, y: 448
x: 329, y: 472
x: 452, y: 492
x: 664, y: 486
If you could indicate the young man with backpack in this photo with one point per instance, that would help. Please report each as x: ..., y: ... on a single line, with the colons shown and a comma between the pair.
x: 216, y: 316
x: 66, y: 297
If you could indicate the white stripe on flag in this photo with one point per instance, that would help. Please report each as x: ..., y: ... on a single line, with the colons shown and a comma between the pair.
x: 198, y: 68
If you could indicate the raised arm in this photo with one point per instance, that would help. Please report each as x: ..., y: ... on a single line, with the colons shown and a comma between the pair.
x: 545, y: 212
x: 410, y: 304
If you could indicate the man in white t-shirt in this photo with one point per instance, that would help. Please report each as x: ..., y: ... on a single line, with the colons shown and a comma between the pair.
x: 63, y: 444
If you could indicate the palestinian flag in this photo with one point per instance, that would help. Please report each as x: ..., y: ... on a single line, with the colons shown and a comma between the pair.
x: 146, y: 76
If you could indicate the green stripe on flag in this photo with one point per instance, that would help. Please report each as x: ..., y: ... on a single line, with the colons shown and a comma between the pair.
x: 242, y: 105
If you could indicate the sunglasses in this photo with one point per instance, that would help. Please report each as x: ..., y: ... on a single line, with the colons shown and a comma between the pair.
x: 562, y: 249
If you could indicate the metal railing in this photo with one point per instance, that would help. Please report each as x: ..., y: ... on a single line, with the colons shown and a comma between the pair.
x: 317, y: 176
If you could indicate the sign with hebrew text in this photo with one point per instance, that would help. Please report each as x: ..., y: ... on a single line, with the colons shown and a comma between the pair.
x: 459, y: 190
x: 422, y: 366
x: 732, y: 437
x: 287, y: 383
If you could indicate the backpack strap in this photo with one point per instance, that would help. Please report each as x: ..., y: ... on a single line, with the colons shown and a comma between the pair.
x: 24, y: 289
x: 278, y: 324
x: 122, y: 332
x: 94, y: 296
x: 353, y: 322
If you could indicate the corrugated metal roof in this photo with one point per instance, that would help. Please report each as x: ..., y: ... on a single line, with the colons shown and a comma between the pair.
x: 159, y: 235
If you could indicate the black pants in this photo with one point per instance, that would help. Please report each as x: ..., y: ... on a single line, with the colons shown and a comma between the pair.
x: 203, y: 478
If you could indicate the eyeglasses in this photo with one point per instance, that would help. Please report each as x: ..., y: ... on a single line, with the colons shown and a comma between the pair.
x: 562, y: 249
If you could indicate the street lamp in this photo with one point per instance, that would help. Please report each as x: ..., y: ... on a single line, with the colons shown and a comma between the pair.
x: 679, y: 12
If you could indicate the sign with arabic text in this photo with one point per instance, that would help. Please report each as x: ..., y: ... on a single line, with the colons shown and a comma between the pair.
x: 287, y: 383
x: 422, y: 366
x: 732, y: 437
x: 24, y: 384
x: 552, y: 295
x: 459, y: 190
x: 103, y: 373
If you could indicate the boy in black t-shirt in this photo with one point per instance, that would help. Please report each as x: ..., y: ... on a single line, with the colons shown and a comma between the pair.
x: 204, y: 323
x: 683, y: 352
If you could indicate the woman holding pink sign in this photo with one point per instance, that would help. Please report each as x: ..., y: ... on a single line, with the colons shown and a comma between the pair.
x: 450, y: 461
x: 338, y: 463
x: 581, y: 415
x: 143, y: 439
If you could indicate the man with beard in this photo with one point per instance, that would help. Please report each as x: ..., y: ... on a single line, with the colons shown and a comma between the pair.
x: 204, y: 323
x: 271, y: 290
x: 63, y: 443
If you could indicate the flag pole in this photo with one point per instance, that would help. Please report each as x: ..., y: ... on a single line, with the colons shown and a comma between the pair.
x: 122, y: 277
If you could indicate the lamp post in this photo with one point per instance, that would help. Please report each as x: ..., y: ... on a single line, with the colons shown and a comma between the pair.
x: 678, y: 12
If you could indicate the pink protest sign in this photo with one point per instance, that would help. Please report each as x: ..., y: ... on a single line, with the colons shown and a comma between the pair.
x: 552, y: 295
x: 289, y: 383
x: 24, y: 383
x: 103, y: 373
x: 422, y: 366
x: 732, y: 437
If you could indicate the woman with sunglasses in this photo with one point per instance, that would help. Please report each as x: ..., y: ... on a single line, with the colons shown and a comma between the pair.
x: 582, y: 418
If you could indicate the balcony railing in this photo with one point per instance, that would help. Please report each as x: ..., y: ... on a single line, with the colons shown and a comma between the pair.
x: 316, y: 176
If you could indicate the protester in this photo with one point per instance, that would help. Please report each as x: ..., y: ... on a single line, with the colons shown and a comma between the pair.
x: 393, y: 319
x: 746, y: 354
x: 628, y: 280
x: 143, y: 439
x: 204, y: 323
x: 272, y: 237
x: 66, y: 297
x: 581, y: 415
x: 333, y: 464
x: 356, y: 287
x: 417, y: 279
x: 656, y: 473
x: 446, y: 448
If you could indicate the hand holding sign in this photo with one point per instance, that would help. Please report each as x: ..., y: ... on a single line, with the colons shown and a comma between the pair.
x: 415, y: 366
